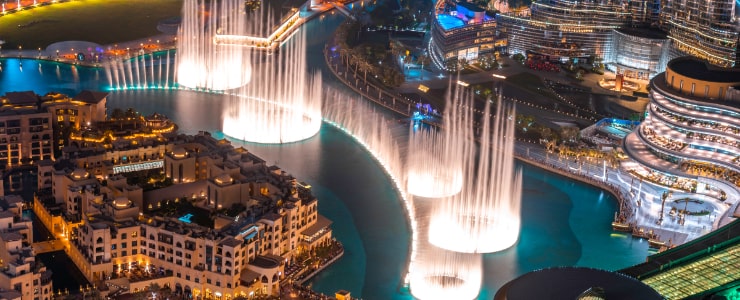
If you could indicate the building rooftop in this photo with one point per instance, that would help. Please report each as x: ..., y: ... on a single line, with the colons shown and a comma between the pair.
x: 265, y: 262
x: 697, y: 69
x: 271, y: 216
x: 10, y: 236
x: 231, y: 242
x: 22, y: 98
x: 572, y: 282
x: 321, y: 223
x: 248, y: 276
x: 91, y: 97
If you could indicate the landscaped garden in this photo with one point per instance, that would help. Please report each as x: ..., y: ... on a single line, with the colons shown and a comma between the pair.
x: 87, y: 20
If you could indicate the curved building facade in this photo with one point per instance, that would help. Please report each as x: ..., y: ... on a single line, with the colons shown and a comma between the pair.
x: 562, y: 29
x: 638, y: 53
x: 708, y: 30
x: 463, y: 31
x: 692, y: 123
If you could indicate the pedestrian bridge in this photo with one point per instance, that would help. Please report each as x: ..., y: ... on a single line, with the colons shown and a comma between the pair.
x: 47, y: 246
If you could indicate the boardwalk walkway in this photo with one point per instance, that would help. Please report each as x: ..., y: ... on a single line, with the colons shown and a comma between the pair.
x: 48, y: 246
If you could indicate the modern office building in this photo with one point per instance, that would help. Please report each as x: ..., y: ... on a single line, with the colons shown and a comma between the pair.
x: 639, y: 53
x: 559, y: 30
x: 692, y: 125
x: 463, y: 31
x: 708, y: 30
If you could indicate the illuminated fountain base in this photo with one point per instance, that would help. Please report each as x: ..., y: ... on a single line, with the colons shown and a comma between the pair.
x: 436, y: 156
x: 485, y: 216
x: 282, y: 103
x: 473, y: 233
x: 442, y: 274
x: 434, y: 183
x: 270, y: 123
x: 434, y: 171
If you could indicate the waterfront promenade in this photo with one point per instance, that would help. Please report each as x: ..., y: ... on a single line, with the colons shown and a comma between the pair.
x: 639, y: 201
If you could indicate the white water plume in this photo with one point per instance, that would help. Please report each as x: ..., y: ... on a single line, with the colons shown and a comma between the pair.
x: 443, y: 274
x: 282, y: 104
x: 435, y: 157
x: 485, y: 216
x: 147, y: 71
x: 371, y: 129
x: 203, y: 64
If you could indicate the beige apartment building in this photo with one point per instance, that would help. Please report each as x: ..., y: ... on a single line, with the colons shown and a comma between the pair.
x: 21, y: 277
x: 121, y: 240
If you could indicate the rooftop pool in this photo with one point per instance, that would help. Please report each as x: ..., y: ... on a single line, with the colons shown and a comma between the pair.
x: 449, y: 22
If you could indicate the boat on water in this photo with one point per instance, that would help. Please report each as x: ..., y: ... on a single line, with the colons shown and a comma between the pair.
x: 622, y: 227
x: 620, y: 224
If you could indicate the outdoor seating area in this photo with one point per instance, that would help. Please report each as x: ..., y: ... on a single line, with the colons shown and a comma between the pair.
x: 661, y: 140
x: 542, y: 65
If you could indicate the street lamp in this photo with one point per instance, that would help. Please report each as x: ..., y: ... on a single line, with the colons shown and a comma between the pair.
x: 19, y: 50
x: 665, y: 196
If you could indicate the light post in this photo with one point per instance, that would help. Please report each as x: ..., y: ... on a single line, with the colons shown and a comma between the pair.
x: 665, y: 196
x: 39, y: 52
x: 19, y: 50
x: 57, y: 54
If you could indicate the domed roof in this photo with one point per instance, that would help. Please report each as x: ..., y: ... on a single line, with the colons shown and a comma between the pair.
x: 121, y: 202
x: 79, y: 173
x: 179, y: 152
x: 224, y: 179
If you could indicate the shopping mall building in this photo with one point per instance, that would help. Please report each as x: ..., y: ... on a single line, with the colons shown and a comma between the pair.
x: 691, y: 131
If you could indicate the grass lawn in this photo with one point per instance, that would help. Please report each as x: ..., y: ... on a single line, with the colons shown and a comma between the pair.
x: 99, y: 21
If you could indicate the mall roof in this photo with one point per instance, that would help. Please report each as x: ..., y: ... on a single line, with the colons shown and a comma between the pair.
x: 710, y: 263
x: 692, y: 250
x: 697, y: 69
x: 571, y: 282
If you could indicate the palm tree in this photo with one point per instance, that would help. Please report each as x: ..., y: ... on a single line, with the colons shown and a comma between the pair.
x: 117, y: 113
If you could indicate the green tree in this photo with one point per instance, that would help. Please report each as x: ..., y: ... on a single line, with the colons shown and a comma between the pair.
x: 518, y: 58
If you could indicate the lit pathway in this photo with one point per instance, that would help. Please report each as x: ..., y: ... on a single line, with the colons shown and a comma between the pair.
x: 648, y: 213
x: 48, y: 246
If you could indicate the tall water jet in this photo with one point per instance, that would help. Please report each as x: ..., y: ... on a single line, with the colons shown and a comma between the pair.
x: 203, y: 64
x: 282, y: 104
x: 370, y: 128
x: 435, y: 157
x: 485, y: 216
x: 131, y: 72
x: 443, y: 274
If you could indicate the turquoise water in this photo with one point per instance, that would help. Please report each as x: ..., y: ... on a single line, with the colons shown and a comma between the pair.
x: 564, y: 222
